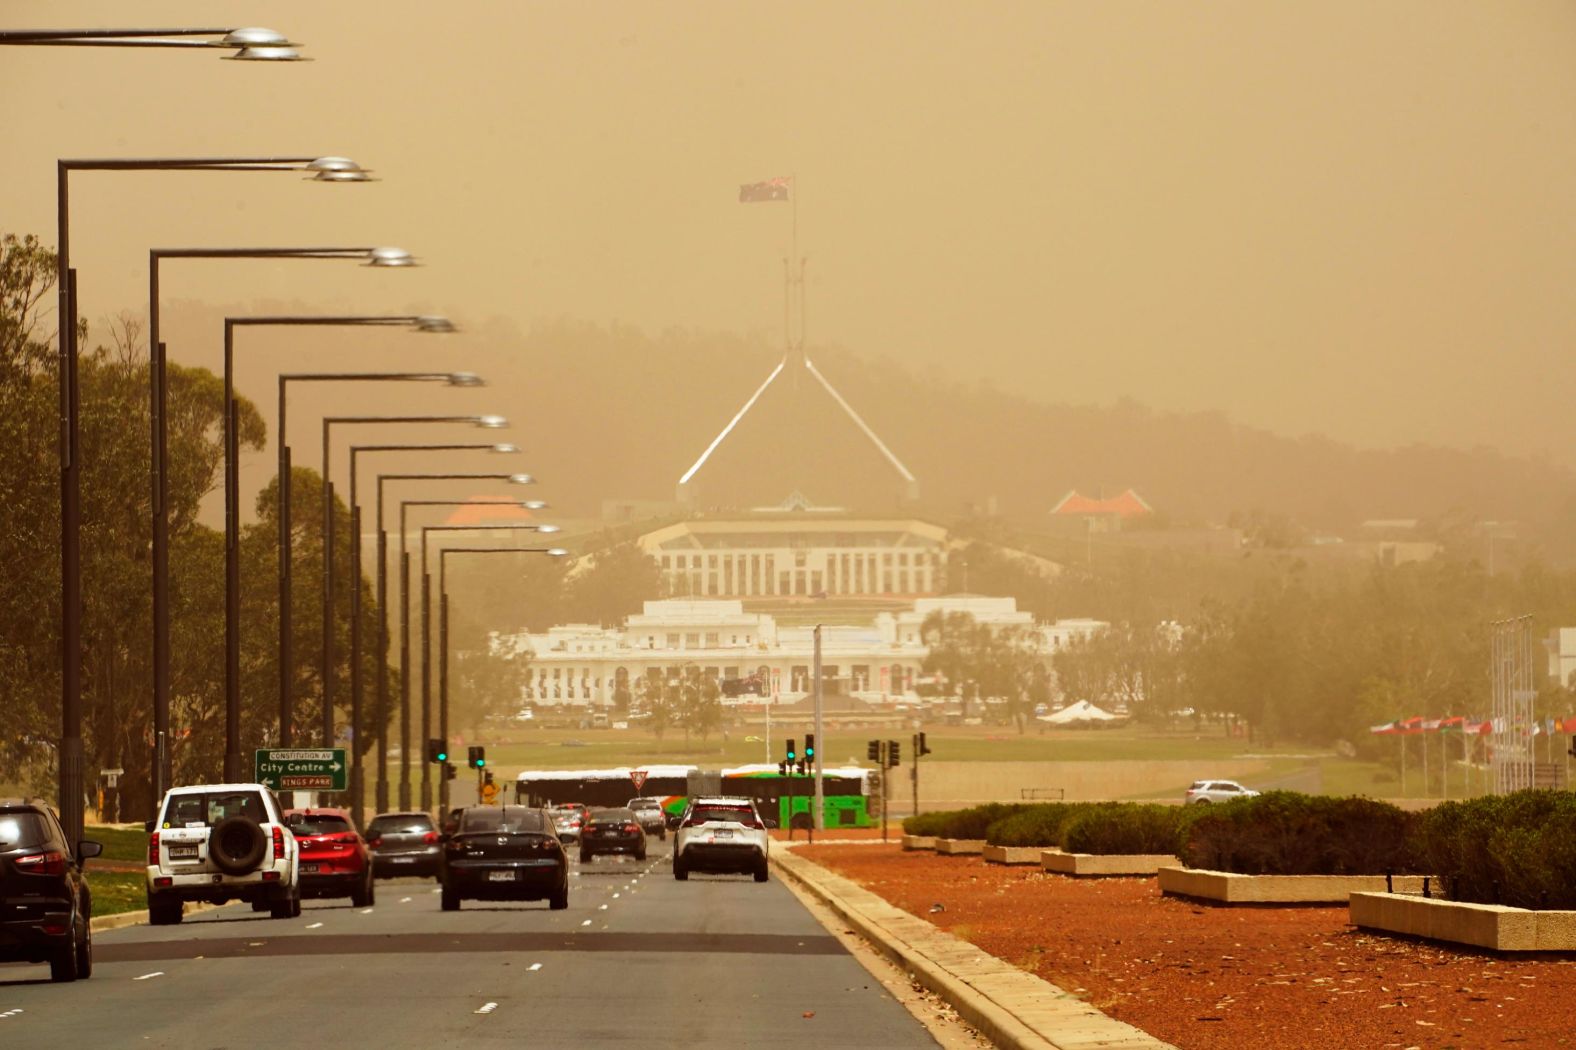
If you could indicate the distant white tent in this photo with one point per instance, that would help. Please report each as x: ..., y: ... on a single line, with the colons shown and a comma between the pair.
x: 1081, y: 711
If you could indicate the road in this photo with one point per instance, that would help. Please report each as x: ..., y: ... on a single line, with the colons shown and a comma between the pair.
x: 637, y: 959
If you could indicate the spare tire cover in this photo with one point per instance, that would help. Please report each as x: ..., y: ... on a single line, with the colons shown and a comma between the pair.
x: 236, y: 845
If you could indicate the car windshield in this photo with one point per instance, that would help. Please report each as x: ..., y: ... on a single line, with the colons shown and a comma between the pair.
x: 400, y: 825
x: 21, y: 830
x: 503, y: 819
x: 319, y: 824
x: 206, y: 808
x: 644, y: 803
x: 736, y: 814
x: 612, y: 816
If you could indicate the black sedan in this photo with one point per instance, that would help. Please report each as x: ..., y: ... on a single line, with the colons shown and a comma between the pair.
x: 612, y: 831
x: 504, y: 853
x: 403, y: 844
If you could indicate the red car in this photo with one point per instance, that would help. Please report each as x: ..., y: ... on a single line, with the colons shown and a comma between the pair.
x: 335, y: 861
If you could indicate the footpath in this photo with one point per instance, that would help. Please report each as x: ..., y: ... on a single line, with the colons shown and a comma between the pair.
x: 1014, y: 1009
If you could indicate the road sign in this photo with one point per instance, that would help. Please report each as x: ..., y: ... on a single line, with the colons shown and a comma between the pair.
x: 489, y: 793
x: 312, y: 769
x: 639, y: 778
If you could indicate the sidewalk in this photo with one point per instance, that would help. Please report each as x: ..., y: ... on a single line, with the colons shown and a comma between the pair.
x: 1015, y: 1009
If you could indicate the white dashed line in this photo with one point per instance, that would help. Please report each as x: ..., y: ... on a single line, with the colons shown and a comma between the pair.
x: 586, y: 923
x: 366, y: 911
x: 602, y: 908
x: 17, y: 1010
x: 534, y: 967
x: 313, y: 926
x: 487, y: 1008
x: 615, y: 896
x: 404, y: 900
x: 144, y: 977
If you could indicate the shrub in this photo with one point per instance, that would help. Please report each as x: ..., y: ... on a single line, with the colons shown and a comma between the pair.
x: 1284, y: 833
x: 1126, y: 829
x: 960, y: 823
x: 1517, y: 850
x: 1042, y: 825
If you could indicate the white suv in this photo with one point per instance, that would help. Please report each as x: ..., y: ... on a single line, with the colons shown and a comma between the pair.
x: 1205, y: 791
x: 721, y: 834
x: 218, y: 843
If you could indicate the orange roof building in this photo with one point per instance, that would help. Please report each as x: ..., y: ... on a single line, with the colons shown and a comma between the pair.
x: 1128, y: 505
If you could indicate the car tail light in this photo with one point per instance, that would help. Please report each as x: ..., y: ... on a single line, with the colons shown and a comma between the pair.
x: 153, y: 847
x: 51, y: 863
x: 430, y: 837
x: 279, y: 842
x: 632, y: 827
x: 375, y: 843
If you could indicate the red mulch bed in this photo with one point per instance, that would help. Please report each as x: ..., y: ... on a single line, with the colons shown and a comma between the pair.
x: 1205, y: 977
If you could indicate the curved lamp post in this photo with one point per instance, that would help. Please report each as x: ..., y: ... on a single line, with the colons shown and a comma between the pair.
x: 356, y: 781
x: 252, y: 43
x: 383, y: 626
x: 159, y: 393
x: 443, y: 637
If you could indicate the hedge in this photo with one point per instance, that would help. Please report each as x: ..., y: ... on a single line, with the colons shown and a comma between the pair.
x: 1043, y: 825
x: 1285, y: 833
x: 1518, y: 850
x: 961, y: 823
x: 1130, y: 828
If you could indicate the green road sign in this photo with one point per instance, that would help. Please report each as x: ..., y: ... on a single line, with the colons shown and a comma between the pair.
x: 301, y: 769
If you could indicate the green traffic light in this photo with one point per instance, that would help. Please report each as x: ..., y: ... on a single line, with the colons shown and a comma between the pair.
x: 443, y: 756
x: 480, y: 762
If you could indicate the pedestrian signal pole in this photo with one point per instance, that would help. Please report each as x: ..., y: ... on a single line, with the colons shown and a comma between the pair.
x: 817, y: 821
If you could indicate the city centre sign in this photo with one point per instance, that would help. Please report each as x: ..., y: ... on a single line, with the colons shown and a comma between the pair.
x: 305, y: 769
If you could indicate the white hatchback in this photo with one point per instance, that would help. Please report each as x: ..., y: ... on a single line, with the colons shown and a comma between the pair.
x: 1201, y: 792
x: 721, y: 834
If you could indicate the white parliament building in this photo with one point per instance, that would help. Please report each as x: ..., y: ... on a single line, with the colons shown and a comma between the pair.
x: 583, y: 664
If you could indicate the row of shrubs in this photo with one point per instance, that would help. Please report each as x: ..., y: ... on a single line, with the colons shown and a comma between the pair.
x: 1517, y: 850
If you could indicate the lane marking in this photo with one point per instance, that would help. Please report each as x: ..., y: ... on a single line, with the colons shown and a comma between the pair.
x: 366, y: 911
x: 533, y: 968
x: 615, y: 896
x: 144, y: 977
x: 602, y: 908
x: 314, y: 925
x: 16, y: 1010
x: 487, y: 1008
x: 404, y: 900
x: 586, y: 923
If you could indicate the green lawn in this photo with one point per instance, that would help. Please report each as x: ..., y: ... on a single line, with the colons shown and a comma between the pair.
x: 127, y: 844
x: 117, y: 891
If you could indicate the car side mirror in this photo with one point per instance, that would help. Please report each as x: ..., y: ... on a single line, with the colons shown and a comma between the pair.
x: 147, y: 826
x: 87, y: 849
x: 769, y: 822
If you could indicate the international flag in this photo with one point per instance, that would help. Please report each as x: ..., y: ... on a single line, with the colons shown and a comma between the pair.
x: 770, y: 190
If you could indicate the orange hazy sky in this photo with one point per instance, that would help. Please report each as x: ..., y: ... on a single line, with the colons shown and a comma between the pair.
x: 1355, y: 218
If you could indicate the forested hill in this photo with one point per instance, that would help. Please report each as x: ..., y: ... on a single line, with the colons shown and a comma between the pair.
x: 612, y: 412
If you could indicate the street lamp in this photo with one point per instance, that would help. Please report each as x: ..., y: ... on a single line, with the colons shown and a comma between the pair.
x: 232, y: 485
x: 71, y: 786
x: 383, y: 630
x: 159, y: 393
x: 426, y: 611
x: 443, y: 637
x: 356, y: 784
x: 249, y: 44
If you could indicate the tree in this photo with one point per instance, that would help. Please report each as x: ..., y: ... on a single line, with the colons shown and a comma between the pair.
x: 611, y: 584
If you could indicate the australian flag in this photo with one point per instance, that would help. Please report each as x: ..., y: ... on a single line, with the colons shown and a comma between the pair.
x: 770, y: 190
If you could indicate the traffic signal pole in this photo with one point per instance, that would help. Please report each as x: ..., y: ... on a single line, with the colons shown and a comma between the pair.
x: 818, y: 817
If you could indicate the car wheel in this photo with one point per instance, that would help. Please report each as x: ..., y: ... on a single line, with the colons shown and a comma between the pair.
x: 680, y: 870
x: 662, y: 834
x: 63, y: 963
x: 284, y: 906
x: 259, y: 905
x: 641, y: 855
x: 560, y: 898
x: 451, y: 899
x: 295, y: 904
x: 163, y: 912
x: 1202, y: 802
x: 85, y: 951
x: 761, y: 870
x: 361, y: 896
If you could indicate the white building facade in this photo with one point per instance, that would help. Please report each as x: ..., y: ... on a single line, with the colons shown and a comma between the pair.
x: 585, y: 665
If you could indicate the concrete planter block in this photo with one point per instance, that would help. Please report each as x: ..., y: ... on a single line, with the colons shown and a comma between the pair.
x: 1492, y: 926
x: 1228, y: 887
x: 919, y: 842
x: 957, y: 847
x: 1087, y: 864
x: 1013, y: 854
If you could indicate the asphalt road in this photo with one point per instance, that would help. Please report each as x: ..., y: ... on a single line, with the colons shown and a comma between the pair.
x: 637, y: 959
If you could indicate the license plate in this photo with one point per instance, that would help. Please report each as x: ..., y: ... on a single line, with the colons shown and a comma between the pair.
x: 500, y: 876
x: 723, y: 833
x: 308, y: 869
x: 610, y: 831
x: 403, y: 860
x: 184, y: 852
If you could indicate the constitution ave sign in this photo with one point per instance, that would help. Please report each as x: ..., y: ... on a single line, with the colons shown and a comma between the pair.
x: 286, y: 768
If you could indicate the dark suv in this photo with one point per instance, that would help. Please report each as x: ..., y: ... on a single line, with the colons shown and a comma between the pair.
x: 46, y: 910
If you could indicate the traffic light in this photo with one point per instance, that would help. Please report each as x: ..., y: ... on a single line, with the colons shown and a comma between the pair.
x: 894, y: 753
x: 792, y: 752
x: 436, y: 751
x: 449, y: 771
x: 920, y: 747
x: 782, y: 769
x: 873, y: 750
x: 478, y: 756
x: 809, y: 748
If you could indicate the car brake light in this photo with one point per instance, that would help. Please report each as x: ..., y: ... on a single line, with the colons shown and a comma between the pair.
x: 51, y: 863
x: 632, y: 827
x: 430, y: 837
x: 279, y: 842
x: 375, y: 843
x: 153, y: 847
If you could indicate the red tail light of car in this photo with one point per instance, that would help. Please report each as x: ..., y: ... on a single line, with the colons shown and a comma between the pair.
x: 375, y: 843
x: 429, y: 838
x: 153, y: 847
x: 52, y: 862
x: 633, y: 829
x: 279, y: 842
